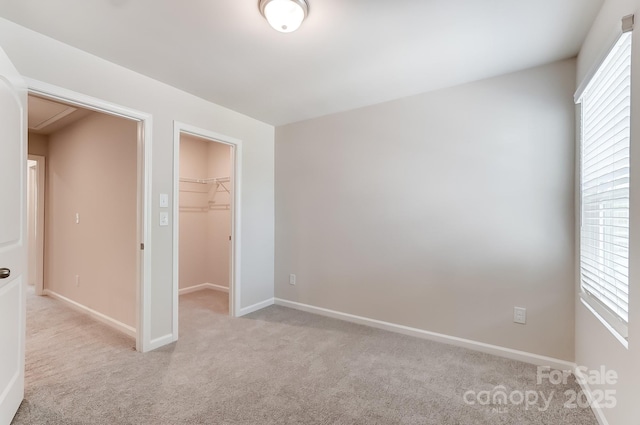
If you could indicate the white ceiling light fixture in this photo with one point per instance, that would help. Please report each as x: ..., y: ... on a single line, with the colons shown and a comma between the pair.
x: 284, y: 15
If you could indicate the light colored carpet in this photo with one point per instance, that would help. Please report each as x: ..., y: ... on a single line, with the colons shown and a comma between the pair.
x: 276, y: 366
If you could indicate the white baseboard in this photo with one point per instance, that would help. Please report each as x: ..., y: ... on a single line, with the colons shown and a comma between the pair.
x: 256, y: 307
x: 202, y: 286
x: 597, y: 410
x: 103, y: 318
x: 496, y: 350
x: 160, y: 342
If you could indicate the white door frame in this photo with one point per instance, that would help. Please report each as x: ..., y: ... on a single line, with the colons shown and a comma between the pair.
x: 40, y: 185
x: 145, y: 124
x: 236, y: 161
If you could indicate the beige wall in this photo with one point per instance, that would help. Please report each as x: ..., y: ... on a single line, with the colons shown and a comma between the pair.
x: 595, y: 345
x: 91, y: 171
x: 440, y: 211
x: 204, y: 234
x: 44, y: 59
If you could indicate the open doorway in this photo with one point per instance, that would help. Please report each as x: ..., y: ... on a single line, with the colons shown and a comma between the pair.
x: 83, y: 210
x: 36, y: 171
x: 205, y: 221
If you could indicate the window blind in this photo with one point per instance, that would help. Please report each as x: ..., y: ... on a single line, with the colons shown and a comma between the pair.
x: 604, y: 235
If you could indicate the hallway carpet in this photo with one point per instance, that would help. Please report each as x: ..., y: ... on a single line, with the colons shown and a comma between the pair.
x: 275, y: 366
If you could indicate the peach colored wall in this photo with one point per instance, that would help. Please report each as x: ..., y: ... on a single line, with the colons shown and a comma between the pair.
x: 204, y: 234
x: 193, y: 236
x: 92, y: 171
x: 38, y: 144
x: 219, y: 221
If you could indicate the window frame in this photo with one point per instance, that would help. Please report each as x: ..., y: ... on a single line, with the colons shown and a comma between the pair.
x: 612, y: 320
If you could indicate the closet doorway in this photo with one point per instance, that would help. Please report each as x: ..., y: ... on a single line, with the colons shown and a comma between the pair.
x: 204, y: 222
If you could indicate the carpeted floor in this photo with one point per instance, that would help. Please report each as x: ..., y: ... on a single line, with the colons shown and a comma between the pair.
x: 275, y: 366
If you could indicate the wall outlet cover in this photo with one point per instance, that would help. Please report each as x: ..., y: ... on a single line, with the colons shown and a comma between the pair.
x: 520, y: 315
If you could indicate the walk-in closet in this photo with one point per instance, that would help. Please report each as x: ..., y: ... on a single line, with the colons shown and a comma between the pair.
x: 205, y: 193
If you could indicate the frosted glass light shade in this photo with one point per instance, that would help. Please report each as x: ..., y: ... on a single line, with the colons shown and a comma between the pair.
x: 284, y: 15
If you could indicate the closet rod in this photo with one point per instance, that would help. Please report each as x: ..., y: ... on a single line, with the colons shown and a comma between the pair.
x: 205, y: 181
x: 213, y: 207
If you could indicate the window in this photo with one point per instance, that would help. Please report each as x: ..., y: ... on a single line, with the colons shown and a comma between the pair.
x: 604, y: 187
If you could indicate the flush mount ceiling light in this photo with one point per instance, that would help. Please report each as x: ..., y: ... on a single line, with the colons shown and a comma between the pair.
x: 284, y: 15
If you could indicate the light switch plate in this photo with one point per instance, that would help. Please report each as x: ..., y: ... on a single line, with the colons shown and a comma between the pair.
x: 164, y: 200
x: 164, y: 219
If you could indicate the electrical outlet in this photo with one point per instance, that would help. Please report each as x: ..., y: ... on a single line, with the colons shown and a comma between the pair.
x: 520, y: 315
x: 77, y: 281
x: 292, y: 279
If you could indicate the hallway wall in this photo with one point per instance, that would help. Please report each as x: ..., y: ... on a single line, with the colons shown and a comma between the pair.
x: 92, y: 171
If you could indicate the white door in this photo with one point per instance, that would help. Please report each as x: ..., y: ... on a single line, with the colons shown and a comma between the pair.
x: 13, y: 254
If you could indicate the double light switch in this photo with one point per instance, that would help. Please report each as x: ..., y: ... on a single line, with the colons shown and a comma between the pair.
x: 164, y: 215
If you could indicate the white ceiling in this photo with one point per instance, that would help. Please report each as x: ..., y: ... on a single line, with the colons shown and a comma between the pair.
x: 347, y: 54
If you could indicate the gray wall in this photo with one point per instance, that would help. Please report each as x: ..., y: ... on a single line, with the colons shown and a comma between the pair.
x: 440, y: 211
x: 42, y: 58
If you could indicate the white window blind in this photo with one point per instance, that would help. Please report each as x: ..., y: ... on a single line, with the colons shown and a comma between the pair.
x: 604, y: 236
